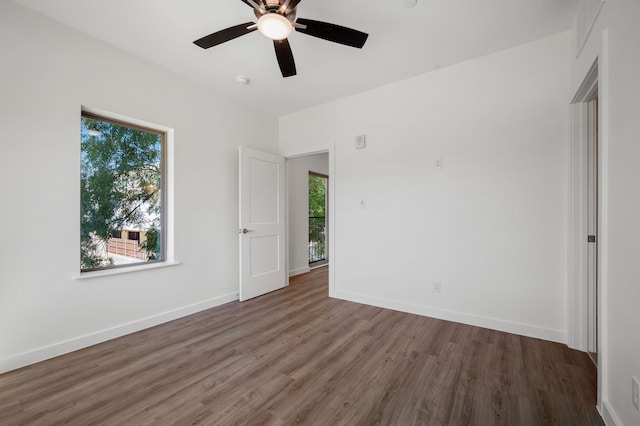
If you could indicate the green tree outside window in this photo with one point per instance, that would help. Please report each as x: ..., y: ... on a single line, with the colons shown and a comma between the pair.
x: 121, y: 188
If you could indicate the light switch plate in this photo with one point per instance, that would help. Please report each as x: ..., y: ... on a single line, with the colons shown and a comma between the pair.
x: 361, y: 142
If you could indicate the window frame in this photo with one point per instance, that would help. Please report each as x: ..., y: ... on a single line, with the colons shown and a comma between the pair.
x: 166, y: 194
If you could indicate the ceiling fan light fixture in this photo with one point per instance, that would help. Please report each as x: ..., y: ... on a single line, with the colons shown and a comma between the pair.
x: 274, y: 26
x: 276, y: 21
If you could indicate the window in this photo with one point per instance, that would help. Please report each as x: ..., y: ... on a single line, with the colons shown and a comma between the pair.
x: 122, y: 187
x: 317, y: 218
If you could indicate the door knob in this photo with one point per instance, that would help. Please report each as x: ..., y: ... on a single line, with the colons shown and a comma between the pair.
x: 245, y: 230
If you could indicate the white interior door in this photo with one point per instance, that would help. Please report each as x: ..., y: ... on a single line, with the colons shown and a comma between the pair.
x: 262, y: 223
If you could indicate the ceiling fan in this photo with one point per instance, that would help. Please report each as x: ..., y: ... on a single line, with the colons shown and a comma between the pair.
x: 276, y: 20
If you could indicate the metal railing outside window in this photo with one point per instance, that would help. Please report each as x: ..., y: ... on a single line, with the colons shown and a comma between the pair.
x: 317, y: 239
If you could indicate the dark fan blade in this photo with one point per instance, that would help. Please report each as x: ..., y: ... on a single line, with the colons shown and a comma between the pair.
x: 292, y: 4
x: 285, y: 57
x: 333, y: 32
x: 224, y: 35
x: 249, y: 4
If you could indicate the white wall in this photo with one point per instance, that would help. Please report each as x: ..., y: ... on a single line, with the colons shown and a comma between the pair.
x: 615, y: 40
x: 490, y: 225
x: 47, y: 72
x: 298, y: 219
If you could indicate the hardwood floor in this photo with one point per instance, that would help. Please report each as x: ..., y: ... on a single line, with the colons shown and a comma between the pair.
x: 297, y: 357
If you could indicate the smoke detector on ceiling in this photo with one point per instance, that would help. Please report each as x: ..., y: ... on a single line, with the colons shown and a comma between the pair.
x: 242, y: 80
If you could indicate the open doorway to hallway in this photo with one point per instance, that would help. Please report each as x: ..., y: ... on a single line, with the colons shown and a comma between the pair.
x: 308, y: 212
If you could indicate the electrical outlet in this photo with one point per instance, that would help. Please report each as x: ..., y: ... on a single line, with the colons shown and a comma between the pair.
x: 635, y: 393
x: 437, y: 286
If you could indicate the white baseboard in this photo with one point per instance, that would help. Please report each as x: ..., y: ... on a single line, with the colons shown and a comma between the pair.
x: 299, y: 271
x: 609, y: 415
x: 559, y: 336
x: 61, y: 348
x: 322, y: 265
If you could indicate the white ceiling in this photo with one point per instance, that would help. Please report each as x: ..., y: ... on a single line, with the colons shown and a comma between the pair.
x: 403, y: 42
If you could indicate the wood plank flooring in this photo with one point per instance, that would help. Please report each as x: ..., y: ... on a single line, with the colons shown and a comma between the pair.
x: 297, y: 357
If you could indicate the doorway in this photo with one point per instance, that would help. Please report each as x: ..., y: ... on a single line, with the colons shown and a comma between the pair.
x: 585, y: 235
x: 309, y: 212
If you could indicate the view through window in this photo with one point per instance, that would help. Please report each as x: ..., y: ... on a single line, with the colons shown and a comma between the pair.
x: 317, y: 219
x: 122, y: 207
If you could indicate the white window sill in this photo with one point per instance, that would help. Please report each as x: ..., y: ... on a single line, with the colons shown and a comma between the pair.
x: 125, y: 270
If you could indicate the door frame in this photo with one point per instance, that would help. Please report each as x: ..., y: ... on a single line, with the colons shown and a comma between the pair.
x: 580, y: 310
x: 331, y: 222
x: 594, y: 84
x: 578, y: 253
